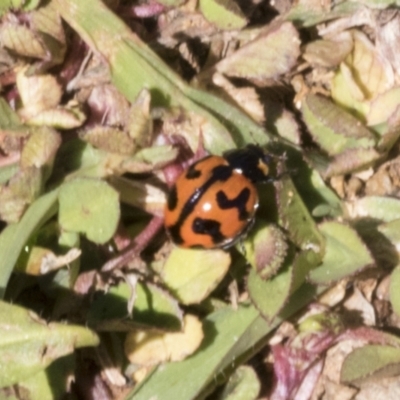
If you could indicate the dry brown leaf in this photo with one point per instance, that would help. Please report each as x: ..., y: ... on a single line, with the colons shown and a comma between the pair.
x: 38, y: 93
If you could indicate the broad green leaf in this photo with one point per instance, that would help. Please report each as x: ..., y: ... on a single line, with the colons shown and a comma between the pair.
x: 345, y: 254
x: 269, y: 296
x: 152, y: 307
x: 14, y: 237
x: 89, y: 206
x: 29, y: 344
x: 242, y: 385
x: 225, y: 14
x: 49, y: 384
x: 296, y: 219
x: 303, y: 263
x: 370, y: 361
x: 191, y: 275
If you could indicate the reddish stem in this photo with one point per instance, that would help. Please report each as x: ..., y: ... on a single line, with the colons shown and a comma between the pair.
x: 139, y: 244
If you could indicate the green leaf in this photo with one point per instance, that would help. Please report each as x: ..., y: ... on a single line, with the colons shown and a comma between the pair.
x: 9, y: 119
x: 265, y: 249
x: 332, y: 128
x: 242, y: 385
x: 152, y: 307
x: 49, y: 384
x: 28, y: 344
x: 345, y: 254
x: 305, y: 15
x: 14, y: 237
x: 252, y: 61
x: 380, y: 208
x: 191, y: 275
x: 269, y: 296
x: 230, y: 337
x: 91, y: 207
x: 296, y: 219
x: 225, y: 14
x: 20, y: 191
x: 394, y: 290
x: 370, y: 361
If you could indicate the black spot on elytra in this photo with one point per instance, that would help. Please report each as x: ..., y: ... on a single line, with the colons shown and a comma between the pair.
x: 239, y: 202
x: 192, y: 172
x: 175, y: 234
x: 221, y: 173
x: 208, y: 227
x: 172, y: 199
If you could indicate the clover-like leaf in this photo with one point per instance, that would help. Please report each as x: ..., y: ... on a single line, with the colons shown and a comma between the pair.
x: 91, y: 207
x: 28, y: 344
x: 345, y: 254
x: 269, y: 296
x: 192, y: 274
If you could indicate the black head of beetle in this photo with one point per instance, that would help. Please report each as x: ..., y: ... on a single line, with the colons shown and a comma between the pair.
x: 253, y: 163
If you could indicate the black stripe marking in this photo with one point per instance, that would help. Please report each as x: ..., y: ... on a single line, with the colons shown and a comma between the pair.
x: 238, y: 202
x: 209, y: 227
x: 172, y: 200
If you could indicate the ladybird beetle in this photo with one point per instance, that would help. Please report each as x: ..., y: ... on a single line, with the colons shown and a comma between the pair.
x: 213, y: 203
